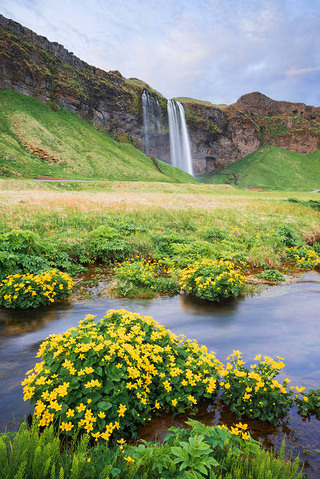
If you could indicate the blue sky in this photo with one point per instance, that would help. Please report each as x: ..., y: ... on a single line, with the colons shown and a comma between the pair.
x: 215, y: 50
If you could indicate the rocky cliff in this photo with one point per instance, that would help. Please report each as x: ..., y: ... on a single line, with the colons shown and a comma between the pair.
x: 219, y: 135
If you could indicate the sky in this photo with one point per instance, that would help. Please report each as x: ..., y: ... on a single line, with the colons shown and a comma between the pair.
x: 214, y: 50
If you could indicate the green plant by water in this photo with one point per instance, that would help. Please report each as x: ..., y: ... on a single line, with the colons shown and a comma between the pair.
x: 199, y: 452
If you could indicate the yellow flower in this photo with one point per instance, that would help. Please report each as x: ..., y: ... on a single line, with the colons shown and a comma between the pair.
x: 129, y: 459
x: 66, y: 426
x: 192, y: 399
x: 81, y: 408
x: 174, y: 402
x: 122, y: 409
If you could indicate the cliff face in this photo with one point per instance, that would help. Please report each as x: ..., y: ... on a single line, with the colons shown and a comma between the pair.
x: 219, y: 135
x: 32, y: 65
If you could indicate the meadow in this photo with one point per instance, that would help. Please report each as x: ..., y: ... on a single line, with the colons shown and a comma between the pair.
x: 156, y: 240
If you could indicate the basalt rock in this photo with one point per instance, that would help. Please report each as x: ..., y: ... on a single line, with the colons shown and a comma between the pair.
x: 219, y: 135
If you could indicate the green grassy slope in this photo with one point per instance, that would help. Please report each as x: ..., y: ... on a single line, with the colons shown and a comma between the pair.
x: 272, y: 167
x: 35, y: 140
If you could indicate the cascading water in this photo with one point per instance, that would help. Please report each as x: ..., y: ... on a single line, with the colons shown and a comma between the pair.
x: 180, y: 150
x: 151, y: 120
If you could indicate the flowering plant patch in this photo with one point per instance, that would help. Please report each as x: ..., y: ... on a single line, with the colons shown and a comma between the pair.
x: 31, y: 290
x: 254, y: 391
x: 145, y: 275
x: 304, y: 256
x: 106, y: 377
x: 212, y: 279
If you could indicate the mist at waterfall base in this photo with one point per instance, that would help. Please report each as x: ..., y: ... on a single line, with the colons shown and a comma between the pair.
x: 180, y: 150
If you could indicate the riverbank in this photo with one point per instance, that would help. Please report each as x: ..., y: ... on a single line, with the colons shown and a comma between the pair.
x: 75, y: 225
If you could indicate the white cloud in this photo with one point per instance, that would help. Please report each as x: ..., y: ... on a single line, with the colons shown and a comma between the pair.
x: 206, y: 49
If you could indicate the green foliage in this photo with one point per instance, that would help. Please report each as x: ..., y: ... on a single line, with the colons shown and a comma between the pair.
x: 310, y: 403
x: 150, y: 277
x: 31, y: 291
x: 107, y: 377
x: 254, y: 391
x: 287, y: 236
x: 214, y: 234
x: 107, y: 244
x: 272, y: 275
x: 164, y: 241
x: 29, y: 454
x: 212, y: 279
x: 23, y: 251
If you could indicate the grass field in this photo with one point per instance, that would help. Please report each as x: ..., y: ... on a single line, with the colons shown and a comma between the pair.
x: 272, y: 167
x: 39, y: 141
x: 247, y: 220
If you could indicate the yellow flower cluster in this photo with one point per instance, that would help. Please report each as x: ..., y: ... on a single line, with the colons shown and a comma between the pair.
x: 304, y: 257
x: 30, y: 290
x: 238, y: 430
x: 212, y: 279
x: 111, y: 374
x: 255, y: 391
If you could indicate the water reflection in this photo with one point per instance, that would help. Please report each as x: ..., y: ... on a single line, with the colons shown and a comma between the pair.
x: 282, y: 321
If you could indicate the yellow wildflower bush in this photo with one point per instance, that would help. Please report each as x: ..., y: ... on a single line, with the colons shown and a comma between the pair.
x: 212, y: 279
x: 106, y: 377
x: 254, y: 391
x: 34, y: 290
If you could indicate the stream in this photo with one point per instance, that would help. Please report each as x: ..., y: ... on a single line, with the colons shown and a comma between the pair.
x: 282, y: 321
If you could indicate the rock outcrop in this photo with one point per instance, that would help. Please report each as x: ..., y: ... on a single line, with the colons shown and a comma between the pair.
x: 219, y: 135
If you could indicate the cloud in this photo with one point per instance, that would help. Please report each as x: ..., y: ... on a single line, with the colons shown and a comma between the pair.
x: 206, y: 49
x: 302, y: 71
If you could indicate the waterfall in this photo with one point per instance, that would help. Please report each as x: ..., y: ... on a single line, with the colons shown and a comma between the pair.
x: 180, y: 150
x: 151, y: 121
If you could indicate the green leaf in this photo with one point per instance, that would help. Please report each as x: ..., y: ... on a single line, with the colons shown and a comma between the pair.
x: 104, y: 405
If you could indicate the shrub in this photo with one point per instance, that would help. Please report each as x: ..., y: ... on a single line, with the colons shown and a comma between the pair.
x: 287, y: 236
x: 106, y: 377
x: 272, y: 275
x: 146, y: 275
x: 304, y: 256
x: 19, y: 241
x: 31, y: 291
x: 164, y: 240
x: 107, y: 244
x: 212, y: 279
x: 254, y: 391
